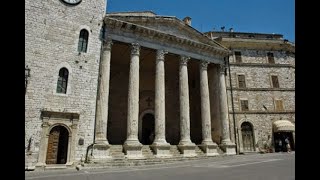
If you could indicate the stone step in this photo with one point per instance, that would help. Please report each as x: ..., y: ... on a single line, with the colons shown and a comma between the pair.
x: 139, y: 162
x: 147, y: 152
x: 219, y: 150
x: 175, y: 151
x: 199, y: 151
x: 116, y: 152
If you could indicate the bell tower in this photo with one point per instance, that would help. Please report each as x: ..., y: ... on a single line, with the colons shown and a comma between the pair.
x: 62, y: 54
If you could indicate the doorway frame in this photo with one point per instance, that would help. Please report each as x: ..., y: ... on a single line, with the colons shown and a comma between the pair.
x: 148, y: 111
x: 254, y: 131
x: 49, y: 121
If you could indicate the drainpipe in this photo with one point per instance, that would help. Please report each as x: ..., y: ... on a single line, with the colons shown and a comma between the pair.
x: 232, y: 104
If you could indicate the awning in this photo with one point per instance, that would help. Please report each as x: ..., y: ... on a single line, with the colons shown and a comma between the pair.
x: 283, y: 126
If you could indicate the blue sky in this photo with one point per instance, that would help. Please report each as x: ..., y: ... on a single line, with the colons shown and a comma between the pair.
x: 259, y: 16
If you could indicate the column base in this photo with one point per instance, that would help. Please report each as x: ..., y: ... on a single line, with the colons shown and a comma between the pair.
x: 40, y: 166
x: 228, y: 147
x: 210, y: 148
x: 188, y: 149
x: 100, y: 152
x: 133, y: 149
x: 161, y: 149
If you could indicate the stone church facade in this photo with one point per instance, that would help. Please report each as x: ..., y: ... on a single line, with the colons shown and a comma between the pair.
x: 135, y: 81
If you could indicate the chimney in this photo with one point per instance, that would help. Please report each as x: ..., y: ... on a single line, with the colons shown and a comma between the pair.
x: 187, y: 20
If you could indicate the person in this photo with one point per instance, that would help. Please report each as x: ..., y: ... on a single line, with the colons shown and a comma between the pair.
x: 280, y: 145
x: 151, y: 137
x: 288, y: 144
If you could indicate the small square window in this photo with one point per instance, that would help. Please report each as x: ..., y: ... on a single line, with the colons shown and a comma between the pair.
x: 244, y: 105
x: 241, y: 81
x: 270, y: 58
x: 238, y: 56
x: 279, y: 105
x: 275, y: 82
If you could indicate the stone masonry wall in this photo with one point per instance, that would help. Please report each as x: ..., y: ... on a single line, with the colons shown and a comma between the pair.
x: 51, y: 39
x: 259, y: 77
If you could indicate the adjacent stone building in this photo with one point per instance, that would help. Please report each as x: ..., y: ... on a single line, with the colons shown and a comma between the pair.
x: 136, y: 85
x: 261, y: 89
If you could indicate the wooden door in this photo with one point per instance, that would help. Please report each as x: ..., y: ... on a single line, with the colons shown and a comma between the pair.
x: 247, y: 137
x: 53, y: 142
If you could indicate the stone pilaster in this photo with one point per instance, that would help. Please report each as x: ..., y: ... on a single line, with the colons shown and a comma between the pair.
x: 43, y: 143
x: 132, y: 146
x: 207, y: 145
x: 226, y: 144
x: 160, y: 145
x: 185, y: 145
x: 101, y: 146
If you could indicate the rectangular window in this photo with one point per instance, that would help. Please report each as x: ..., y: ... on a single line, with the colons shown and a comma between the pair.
x: 279, y: 105
x: 238, y: 56
x: 242, y: 81
x: 244, y: 105
x: 275, y: 82
x: 270, y: 58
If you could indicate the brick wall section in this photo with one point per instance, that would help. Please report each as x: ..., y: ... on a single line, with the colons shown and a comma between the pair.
x: 51, y: 40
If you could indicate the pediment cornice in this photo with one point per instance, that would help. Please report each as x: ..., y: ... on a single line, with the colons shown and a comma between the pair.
x: 120, y: 26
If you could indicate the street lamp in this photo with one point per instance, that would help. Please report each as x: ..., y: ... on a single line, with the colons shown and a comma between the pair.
x: 26, y: 76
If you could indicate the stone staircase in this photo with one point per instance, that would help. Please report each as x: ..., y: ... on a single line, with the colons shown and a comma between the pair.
x: 116, y: 152
x: 199, y: 152
x: 147, y: 152
x: 174, y: 151
x: 119, y: 159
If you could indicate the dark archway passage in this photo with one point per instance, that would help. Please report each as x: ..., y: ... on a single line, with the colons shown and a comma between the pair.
x: 148, y: 131
x: 57, y: 145
x: 281, y: 136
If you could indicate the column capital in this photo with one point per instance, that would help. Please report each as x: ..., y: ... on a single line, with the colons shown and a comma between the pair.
x: 135, y: 49
x: 161, y: 53
x: 222, y: 68
x: 203, y: 65
x: 107, y: 45
x: 184, y: 60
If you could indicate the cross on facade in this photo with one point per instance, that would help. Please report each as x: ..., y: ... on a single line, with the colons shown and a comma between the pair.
x: 148, y: 100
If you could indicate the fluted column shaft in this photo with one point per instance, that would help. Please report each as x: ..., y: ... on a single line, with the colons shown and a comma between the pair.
x: 184, y: 102
x: 103, y: 99
x: 224, y: 115
x: 205, y: 103
x: 160, y: 98
x: 133, y: 95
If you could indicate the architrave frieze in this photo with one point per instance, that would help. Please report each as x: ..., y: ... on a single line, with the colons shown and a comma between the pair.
x: 132, y: 33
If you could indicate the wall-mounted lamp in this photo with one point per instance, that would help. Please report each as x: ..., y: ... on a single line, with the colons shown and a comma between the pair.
x: 26, y: 76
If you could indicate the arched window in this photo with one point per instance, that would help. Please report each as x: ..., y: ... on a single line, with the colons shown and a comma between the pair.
x: 62, y: 81
x: 83, y: 40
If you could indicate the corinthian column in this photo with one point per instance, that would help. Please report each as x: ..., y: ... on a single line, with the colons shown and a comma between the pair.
x: 185, y: 144
x: 132, y: 146
x: 101, y: 146
x: 160, y: 145
x: 226, y: 144
x: 208, y: 146
x: 103, y: 96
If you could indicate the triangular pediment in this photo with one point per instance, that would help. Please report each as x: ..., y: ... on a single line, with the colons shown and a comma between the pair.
x: 166, y: 24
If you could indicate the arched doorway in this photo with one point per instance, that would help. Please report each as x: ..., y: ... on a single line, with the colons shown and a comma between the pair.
x: 57, y: 145
x: 247, y: 137
x: 147, y: 129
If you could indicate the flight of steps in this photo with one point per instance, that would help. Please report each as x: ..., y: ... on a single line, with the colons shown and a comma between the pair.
x: 116, y: 152
x: 199, y: 152
x: 118, y: 157
x: 147, y: 152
